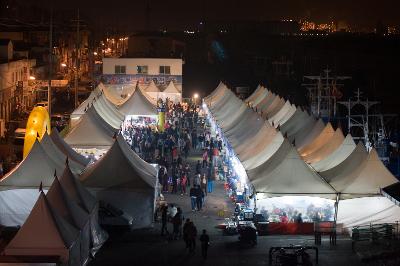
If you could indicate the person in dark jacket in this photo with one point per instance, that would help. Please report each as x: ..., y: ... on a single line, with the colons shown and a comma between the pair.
x: 192, y: 194
x: 199, y: 198
x: 205, y: 242
x: 164, y: 220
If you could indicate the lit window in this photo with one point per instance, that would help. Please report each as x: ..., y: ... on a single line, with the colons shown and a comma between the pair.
x: 120, y: 69
x: 142, y: 69
x: 165, y: 70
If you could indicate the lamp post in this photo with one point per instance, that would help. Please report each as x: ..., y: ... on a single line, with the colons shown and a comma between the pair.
x: 195, y: 97
x: 75, y: 83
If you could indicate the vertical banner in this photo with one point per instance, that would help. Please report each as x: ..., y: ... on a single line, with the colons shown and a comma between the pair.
x: 161, y: 117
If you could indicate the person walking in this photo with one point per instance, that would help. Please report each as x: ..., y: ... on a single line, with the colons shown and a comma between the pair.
x: 205, y: 158
x: 199, y: 198
x: 205, y: 243
x: 198, y: 167
x: 210, y: 184
x: 164, y: 219
x: 177, y: 223
x: 183, y: 184
x: 186, y: 232
x: 204, y: 183
x: 192, y: 234
x: 192, y: 194
x: 196, y: 180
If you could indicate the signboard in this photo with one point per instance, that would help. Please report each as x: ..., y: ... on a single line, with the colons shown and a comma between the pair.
x: 44, y: 83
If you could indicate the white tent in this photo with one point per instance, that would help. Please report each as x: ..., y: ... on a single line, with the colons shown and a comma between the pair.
x: 255, y: 95
x: 82, y: 197
x: 117, y: 94
x: 260, y: 97
x: 172, y: 93
x: 91, y: 132
x: 215, y: 94
x: 283, y: 114
x: 72, y: 213
x: 367, y: 210
x: 66, y: 149
x: 138, y: 104
x: 265, y: 154
x: 81, y: 109
x: 338, y: 156
x: 326, y: 149
x: 325, y: 135
x: 122, y: 179
x: 285, y: 173
x: 297, y: 125
x: 108, y: 111
x: 46, y: 233
x: 19, y: 187
x: 58, y: 156
x: 274, y: 107
x: 152, y: 90
x: 306, y: 137
x: 348, y: 173
x: 360, y: 174
x: 266, y: 102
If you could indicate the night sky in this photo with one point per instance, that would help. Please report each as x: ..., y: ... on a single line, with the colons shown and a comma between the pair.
x: 178, y: 14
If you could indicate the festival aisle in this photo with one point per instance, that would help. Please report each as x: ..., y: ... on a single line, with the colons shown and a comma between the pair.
x: 147, y: 247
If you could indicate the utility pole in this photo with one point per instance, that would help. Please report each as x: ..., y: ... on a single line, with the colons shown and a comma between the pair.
x: 50, y: 63
x: 76, y: 72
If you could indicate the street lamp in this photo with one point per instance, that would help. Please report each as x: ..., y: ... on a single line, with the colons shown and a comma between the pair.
x: 76, y: 83
x: 195, y: 96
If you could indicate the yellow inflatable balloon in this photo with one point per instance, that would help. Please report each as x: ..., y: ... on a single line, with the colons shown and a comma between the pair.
x: 38, y: 123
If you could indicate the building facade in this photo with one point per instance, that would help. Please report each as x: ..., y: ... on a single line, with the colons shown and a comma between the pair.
x: 16, y: 95
x: 143, y: 70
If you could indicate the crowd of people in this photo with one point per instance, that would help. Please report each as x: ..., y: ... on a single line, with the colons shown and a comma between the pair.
x: 184, y: 131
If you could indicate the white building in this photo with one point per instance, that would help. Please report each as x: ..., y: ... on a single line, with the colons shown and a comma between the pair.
x: 14, y: 75
x: 125, y: 71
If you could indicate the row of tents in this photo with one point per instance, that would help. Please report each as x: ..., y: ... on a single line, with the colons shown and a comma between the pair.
x: 285, y: 151
x: 96, y: 121
x: 59, y: 215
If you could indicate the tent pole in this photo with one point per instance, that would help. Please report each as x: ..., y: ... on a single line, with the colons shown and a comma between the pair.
x: 336, y: 208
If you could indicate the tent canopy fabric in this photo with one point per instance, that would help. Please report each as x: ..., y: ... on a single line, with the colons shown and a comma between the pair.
x: 306, y: 137
x: 366, y: 211
x: 138, y: 104
x: 121, y: 178
x: 108, y: 112
x: 91, y: 131
x: 58, y: 156
x: 120, y: 166
x: 46, y: 233
x: 285, y: 173
x: 338, y: 156
x: 117, y: 94
x: 27, y: 174
x: 360, y: 174
x: 324, y: 137
x: 77, y: 191
x: 81, y: 109
x: 171, y: 88
x: 66, y: 149
x: 325, y: 150
x: 152, y: 87
x: 255, y: 95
